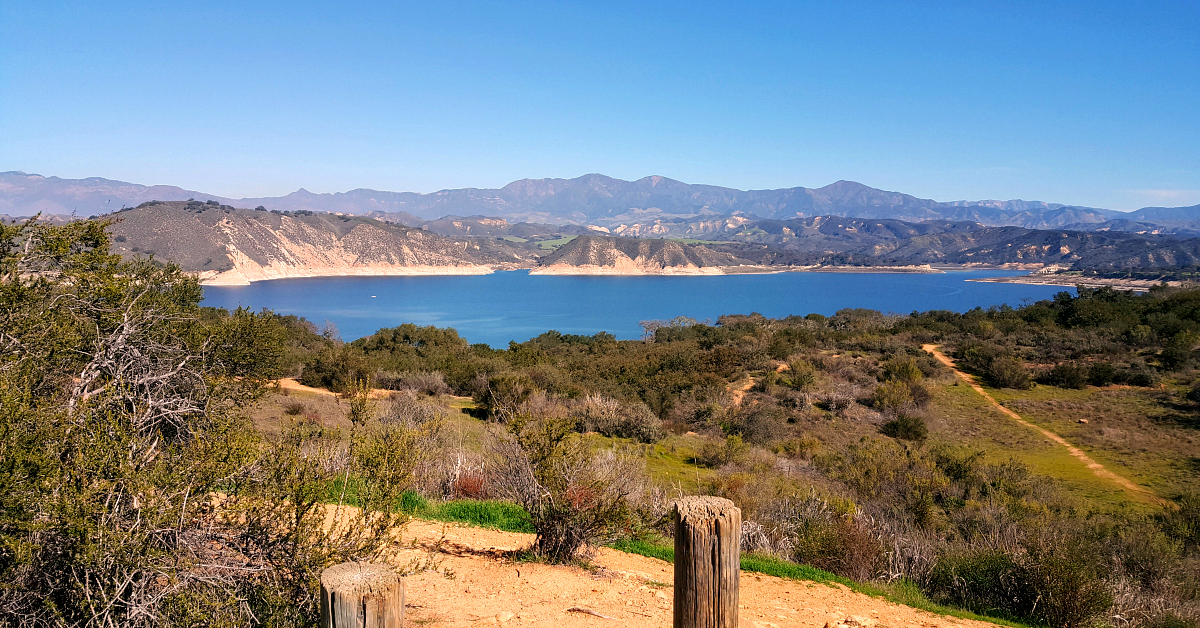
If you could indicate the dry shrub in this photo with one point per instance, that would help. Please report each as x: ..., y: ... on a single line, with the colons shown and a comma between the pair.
x: 613, y: 418
x: 839, y: 398
x: 577, y: 498
x: 424, y: 425
x: 431, y: 383
x: 293, y: 408
x: 760, y: 423
x: 833, y: 537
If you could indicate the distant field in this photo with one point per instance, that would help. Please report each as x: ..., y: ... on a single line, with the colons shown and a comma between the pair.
x: 550, y: 245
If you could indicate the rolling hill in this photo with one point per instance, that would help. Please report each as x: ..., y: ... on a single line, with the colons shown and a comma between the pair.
x: 235, y: 246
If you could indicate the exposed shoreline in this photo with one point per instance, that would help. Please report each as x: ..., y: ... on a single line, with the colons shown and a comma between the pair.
x: 247, y: 276
x: 1140, y: 285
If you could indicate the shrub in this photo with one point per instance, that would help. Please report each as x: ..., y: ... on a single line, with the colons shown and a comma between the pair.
x: 718, y: 453
x: 906, y: 427
x: 1053, y: 580
x: 1006, y: 372
x: 904, y: 369
x: 1066, y: 375
x: 891, y: 396
x: 983, y: 581
x: 802, y: 447
x: 336, y: 369
x: 430, y: 383
x: 575, y: 497
x: 502, y: 395
x: 1101, y: 374
x: 801, y: 375
x: 816, y: 534
x: 612, y: 418
x: 1136, y: 375
x: 759, y: 423
x: 839, y: 399
x: 1183, y: 521
x: 293, y: 408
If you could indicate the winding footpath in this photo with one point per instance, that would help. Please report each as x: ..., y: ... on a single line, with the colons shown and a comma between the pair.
x: 1100, y: 470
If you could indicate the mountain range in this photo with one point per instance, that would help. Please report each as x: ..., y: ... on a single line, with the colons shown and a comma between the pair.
x: 635, y: 207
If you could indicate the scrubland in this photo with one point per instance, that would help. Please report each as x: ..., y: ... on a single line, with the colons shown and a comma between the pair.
x: 156, y: 473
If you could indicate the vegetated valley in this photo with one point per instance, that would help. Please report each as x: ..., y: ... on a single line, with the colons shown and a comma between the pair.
x: 168, y: 464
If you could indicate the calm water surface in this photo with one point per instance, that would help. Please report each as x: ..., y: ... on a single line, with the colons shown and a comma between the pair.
x: 514, y: 305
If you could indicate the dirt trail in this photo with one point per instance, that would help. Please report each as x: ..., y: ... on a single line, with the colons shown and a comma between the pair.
x: 292, y: 385
x: 739, y: 393
x: 487, y: 589
x: 1097, y: 468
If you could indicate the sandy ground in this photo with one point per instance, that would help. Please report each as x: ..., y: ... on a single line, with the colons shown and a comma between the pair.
x: 1097, y: 468
x: 474, y: 584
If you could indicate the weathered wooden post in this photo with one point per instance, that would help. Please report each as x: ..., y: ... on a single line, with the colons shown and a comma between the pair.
x: 707, y: 561
x: 361, y: 595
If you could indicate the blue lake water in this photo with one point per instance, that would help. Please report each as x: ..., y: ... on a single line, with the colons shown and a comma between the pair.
x: 514, y: 305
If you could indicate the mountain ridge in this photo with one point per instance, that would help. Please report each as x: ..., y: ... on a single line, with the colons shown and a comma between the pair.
x: 593, y: 199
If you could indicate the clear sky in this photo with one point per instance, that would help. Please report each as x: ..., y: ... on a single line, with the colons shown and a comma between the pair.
x: 1093, y: 103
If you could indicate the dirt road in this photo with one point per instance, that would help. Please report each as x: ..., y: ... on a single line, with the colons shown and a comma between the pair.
x: 1097, y: 468
x: 484, y: 588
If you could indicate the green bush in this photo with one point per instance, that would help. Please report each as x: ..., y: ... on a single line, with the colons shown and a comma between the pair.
x: 891, y: 396
x: 1066, y: 376
x: 904, y: 369
x: 1008, y: 372
x: 906, y: 427
x: 1102, y: 374
x: 502, y: 395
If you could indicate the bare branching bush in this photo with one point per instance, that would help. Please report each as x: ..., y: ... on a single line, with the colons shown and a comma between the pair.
x: 610, y: 417
x: 814, y: 532
x: 429, y: 383
x: 576, y: 497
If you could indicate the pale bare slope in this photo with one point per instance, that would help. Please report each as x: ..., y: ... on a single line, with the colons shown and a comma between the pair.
x: 233, y: 246
x: 488, y: 590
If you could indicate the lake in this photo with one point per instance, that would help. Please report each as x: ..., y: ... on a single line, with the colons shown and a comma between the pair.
x: 515, y: 305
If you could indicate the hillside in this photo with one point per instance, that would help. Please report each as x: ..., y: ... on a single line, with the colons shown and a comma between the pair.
x: 236, y: 246
x: 629, y: 256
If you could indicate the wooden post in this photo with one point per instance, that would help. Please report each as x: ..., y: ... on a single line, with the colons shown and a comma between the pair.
x: 708, y: 534
x: 361, y: 595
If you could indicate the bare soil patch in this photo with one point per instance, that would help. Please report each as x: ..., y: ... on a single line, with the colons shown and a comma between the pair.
x: 477, y: 584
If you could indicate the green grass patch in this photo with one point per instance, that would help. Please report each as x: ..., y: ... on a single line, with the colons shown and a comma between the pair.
x: 514, y: 239
x: 902, y: 592
x: 550, y: 245
x: 494, y: 514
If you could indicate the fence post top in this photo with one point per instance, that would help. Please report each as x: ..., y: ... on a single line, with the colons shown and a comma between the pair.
x: 702, y: 507
x: 358, y: 578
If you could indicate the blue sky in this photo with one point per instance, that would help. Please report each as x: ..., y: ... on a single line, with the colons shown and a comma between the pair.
x: 1094, y: 103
